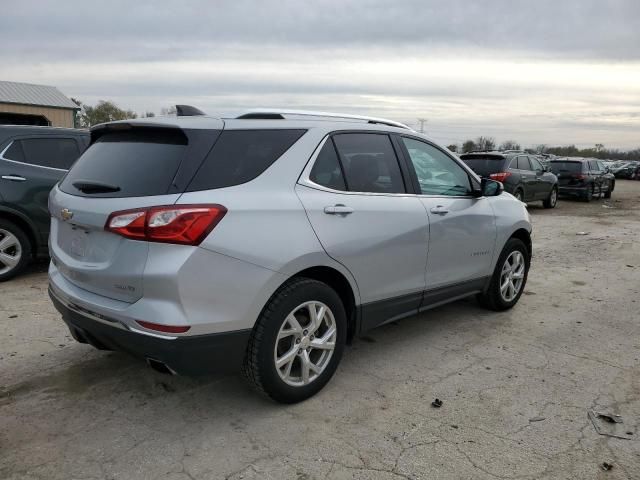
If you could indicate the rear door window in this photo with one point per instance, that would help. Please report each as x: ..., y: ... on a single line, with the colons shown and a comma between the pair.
x: 523, y: 163
x: 239, y: 156
x: 370, y: 163
x: 327, y: 171
x: 14, y: 152
x: 59, y: 153
x: 140, y: 162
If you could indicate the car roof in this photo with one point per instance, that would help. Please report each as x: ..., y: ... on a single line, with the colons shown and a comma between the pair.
x: 269, y: 119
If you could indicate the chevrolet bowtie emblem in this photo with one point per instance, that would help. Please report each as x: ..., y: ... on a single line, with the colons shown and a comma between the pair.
x: 66, y: 214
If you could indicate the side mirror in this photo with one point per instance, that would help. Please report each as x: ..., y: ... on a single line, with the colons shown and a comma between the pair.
x: 491, y: 188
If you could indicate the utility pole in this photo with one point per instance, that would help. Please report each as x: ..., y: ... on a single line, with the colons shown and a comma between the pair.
x: 422, y: 122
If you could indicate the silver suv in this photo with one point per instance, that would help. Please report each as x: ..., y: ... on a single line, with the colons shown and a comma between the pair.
x: 271, y: 240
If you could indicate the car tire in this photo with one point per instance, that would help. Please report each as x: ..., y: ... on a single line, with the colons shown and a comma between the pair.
x: 15, y: 250
x: 609, y: 190
x: 552, y: 199
x: 494, y: 297
x: 272, y: 341
x: 519, y: 194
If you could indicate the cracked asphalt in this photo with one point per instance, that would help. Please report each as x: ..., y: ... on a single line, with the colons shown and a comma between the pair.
x: 516, y: 386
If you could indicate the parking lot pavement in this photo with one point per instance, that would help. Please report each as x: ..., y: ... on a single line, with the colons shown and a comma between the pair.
x: 516, y: 386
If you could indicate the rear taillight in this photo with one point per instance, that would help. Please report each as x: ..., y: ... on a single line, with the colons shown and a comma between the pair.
x: 580, y: 176
x: 181, y: 224
x: 500, y: 177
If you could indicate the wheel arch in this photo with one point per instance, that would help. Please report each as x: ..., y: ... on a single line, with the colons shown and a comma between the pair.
x: 341, y: 284
x: 22, y: 222
x: 523, y: 235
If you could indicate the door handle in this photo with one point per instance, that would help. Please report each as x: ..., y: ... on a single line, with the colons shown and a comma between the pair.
x: 14, y: 178
x: 338, y: 209
x: 440, y: 210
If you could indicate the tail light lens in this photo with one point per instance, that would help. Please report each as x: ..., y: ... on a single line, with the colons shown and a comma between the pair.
x: 500, y: 177
x: 580, y: 176
x: 164, y: 328
x: 180, y: 224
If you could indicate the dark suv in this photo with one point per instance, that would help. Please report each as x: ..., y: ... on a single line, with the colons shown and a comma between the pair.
x: 583, y: 177
x: 522, y: 175
x: 32, y: 161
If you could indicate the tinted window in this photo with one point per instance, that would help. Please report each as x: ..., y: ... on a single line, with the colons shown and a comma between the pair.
x: 594, y: 166
x: 484, y: 165
x: 50, y: 152
x: 327, y: 171
x: 438, y: 174
x: 241, y: 155
x: 139, y: 162
x: 523, y: 163
x: 562, y: 167
x: 370, y: 163
x: 14, y: 152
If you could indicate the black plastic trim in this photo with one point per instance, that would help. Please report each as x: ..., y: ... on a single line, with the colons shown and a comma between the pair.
x: 374, y: 314
x: 192, y: 355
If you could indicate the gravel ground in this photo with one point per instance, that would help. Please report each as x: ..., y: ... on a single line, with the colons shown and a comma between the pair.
x: 515, y: 386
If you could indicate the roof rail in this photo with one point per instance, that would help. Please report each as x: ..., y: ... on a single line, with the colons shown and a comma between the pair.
x: 188, y: 111
x: 278, y: 114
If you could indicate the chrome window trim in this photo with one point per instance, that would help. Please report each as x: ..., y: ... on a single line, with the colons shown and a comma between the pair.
x: 2, y: 157
x: 306, y: 181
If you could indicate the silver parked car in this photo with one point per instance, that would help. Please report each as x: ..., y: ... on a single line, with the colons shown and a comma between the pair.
x: 271, y: 240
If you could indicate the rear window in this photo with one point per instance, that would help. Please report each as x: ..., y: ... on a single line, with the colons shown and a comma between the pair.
x: 141, y: 162
x: 562, y: 167
x: 484, y: 165
x: 239, y: 156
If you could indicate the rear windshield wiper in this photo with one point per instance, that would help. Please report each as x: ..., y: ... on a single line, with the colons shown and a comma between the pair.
x: 89, y: 186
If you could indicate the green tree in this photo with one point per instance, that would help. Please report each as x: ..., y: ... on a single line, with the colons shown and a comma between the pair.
x: 104, y: 111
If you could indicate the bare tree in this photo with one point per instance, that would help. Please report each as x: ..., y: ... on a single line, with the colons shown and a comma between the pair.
x: 486, y: 143
x: 453, y: 147
x: 469, y: 146
x: 510, y: 145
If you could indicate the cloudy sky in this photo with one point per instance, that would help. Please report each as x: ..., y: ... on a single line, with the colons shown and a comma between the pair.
x: 536, y: 71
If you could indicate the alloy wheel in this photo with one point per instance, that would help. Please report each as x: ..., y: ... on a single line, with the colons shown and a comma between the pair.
x: 512, y: 276
x: 10, y: 251
x: 305, y: 343
x: 554, y: 197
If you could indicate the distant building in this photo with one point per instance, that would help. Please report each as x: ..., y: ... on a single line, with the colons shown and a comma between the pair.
x: 28, y: 104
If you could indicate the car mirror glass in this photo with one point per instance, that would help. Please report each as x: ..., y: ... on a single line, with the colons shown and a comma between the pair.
x: 491, y: 188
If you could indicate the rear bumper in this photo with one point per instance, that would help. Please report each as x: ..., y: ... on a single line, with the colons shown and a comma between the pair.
x: 580, y: 191
x: 192, y: 355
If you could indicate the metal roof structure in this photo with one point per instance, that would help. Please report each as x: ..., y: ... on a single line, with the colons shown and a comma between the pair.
x: 30, y: 94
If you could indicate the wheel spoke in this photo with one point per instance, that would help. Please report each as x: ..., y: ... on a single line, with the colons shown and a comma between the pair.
x: 294, y: 324
x: 287, y: 357
x: 8, y: 241
x: 306, y: 366
x: 9, y: 260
